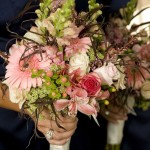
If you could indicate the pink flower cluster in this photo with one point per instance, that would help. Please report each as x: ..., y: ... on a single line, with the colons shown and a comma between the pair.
x: 81, y: 94
x: 86, y: 90
x: 137, y: 74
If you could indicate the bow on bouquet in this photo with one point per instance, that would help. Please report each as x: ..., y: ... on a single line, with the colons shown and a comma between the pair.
x: 61, y: 63
x: 133, y: 49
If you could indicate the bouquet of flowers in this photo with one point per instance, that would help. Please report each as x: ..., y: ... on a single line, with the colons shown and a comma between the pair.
x: 133, y: 48
x: 60, y: 64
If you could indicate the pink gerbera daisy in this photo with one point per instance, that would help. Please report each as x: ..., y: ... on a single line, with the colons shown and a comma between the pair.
x: 19, y: 71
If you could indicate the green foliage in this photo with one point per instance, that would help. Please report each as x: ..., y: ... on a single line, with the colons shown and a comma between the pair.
x: 36, y: 93
x: 93, y: 6
x: 128, y: 11
x: 142, y: 103
x: 44, y: 10
x: 52, y: 88
x: 94, y: 54
x: 129, y: 51
x: 61, y: 16
x: 37, y: 73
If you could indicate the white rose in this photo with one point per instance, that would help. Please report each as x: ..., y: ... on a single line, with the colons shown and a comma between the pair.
x: 80, y: 60
x: 145, y: 90
x: 108, y: 73
x: 17, y: 96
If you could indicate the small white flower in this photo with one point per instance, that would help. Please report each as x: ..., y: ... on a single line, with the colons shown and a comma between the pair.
x: 79, y: 60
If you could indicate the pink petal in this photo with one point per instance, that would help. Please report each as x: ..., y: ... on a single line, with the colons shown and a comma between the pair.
x: 61, y: 104
x: 69, y: 90
x: 11, y: 80
x: 85, y: 47
x: 44, y: 65
x: 95, y: 119
x: 72, y: 108
x: 15, y: 79
x: 24, y: 83
x: 29, y: 83
x: 33, y: 80
x: 103, y: 95
x: 86, y: 40
x: 7, y: 81
x: 9, y: 74
x: 86, y: 109
x: 17, y: 83
x: 80, y: 93
x: 12, y: 66
x: 17, y: 55
x: 39, y: 82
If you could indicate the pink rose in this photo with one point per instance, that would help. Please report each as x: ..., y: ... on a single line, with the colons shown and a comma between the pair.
x: 91, y: 83
x: 108, y: 73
